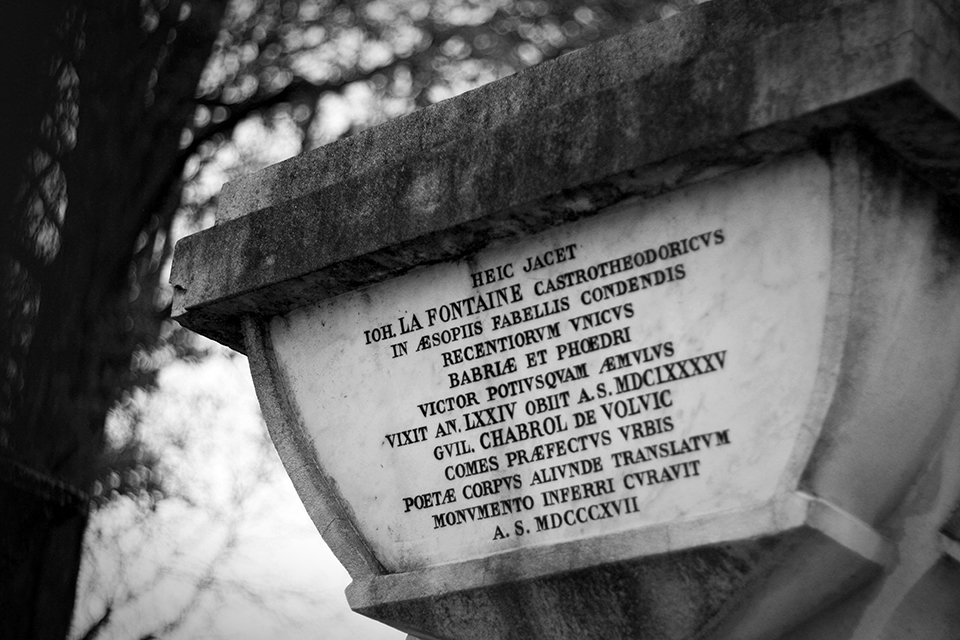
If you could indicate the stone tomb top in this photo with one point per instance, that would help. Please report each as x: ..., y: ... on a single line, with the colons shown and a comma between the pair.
x: 620, y: 372
x: 717, y: 87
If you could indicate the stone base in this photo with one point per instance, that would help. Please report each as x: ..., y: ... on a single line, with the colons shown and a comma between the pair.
x: 795, y: 557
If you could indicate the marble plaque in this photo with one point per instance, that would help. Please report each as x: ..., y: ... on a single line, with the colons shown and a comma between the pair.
x: 649, y: 364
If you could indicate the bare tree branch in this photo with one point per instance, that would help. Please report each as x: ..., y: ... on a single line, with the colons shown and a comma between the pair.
x: 94, y: 631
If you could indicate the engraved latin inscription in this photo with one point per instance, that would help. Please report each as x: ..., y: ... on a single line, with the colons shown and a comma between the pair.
x: 562, y: 397
x: 617, y: 376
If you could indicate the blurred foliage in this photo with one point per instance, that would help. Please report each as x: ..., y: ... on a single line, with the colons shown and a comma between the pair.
x: 204, y: 562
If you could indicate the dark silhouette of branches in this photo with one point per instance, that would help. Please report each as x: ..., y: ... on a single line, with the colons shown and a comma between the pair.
x: 195, y: 536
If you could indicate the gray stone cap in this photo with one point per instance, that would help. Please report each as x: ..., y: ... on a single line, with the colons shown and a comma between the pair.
x: 720, y: 86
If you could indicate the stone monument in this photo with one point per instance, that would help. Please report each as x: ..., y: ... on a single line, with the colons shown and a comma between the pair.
x: 658, y: 340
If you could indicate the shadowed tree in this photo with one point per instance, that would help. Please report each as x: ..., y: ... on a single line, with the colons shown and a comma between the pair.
x: 89, y: 187
x: 121, y: 110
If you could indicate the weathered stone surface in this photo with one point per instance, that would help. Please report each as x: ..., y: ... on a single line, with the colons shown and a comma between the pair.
x: 633, y: 599
x: 723, y: 85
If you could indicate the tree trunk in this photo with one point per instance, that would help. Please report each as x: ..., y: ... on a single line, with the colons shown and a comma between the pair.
x: 40, y: 543
x: 93, y: 180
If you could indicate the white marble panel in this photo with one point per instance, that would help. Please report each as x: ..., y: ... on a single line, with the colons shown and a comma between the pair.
x: 649, y: 364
